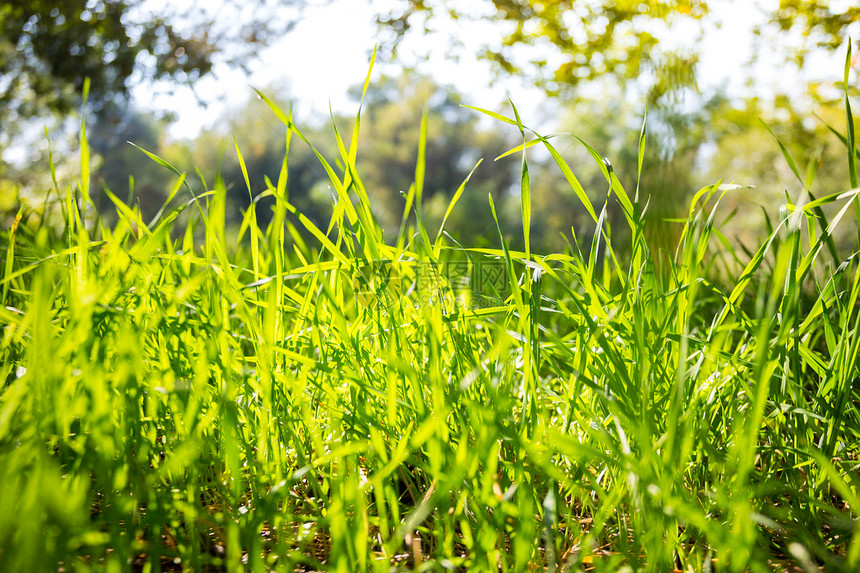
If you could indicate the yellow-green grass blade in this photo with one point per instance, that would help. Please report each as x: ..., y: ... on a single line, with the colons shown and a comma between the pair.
x: 437, y: 245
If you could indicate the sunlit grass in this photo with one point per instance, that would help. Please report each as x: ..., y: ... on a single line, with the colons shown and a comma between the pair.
x: 299, y: 398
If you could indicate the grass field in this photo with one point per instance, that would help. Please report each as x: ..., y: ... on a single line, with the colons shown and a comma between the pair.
x: 177, y: 396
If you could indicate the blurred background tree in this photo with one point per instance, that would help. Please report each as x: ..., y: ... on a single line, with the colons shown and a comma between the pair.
x: 388, y: 150
x: 561, y: 44
x: 456, y: 141
x: 262, y: 140
x: 48, y: 47
x: 605, y: 61
x: 144, y: 183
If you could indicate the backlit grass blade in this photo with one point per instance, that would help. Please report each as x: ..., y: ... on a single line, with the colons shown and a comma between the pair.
x: 320, y: 236
x: 494, y: 115
x: 164, y: 164
x: 524, y: 146
x: 420, y: 164
x: 170, y: 196
x: 353, y: 147
x: 640, y: 158
x: 126, y: 213
x: 511, y: 274
x: 849, y: 136
x: 250, y: 219
x: 343, y: 195
x: 10, y: 258
x: 437, y: 244
x: 351, y: 181
x: 562, y: 165
x: 615, y: 185
x: 572, y: 180
x: 85, y: 150
x: 841, y: 137
x: 785, y: 153
x: 525, y: 189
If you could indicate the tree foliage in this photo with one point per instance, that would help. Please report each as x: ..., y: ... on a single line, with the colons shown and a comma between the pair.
x: 48, y: 47
x: 816, y: 19
x: 122, y: 168
x: 455, y: 143
x: 589, y: 39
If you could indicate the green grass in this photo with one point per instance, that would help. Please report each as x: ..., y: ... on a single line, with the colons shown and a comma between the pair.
x: 177, y: 396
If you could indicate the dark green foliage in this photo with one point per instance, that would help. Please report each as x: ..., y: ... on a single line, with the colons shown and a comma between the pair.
x: 48, y: 47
